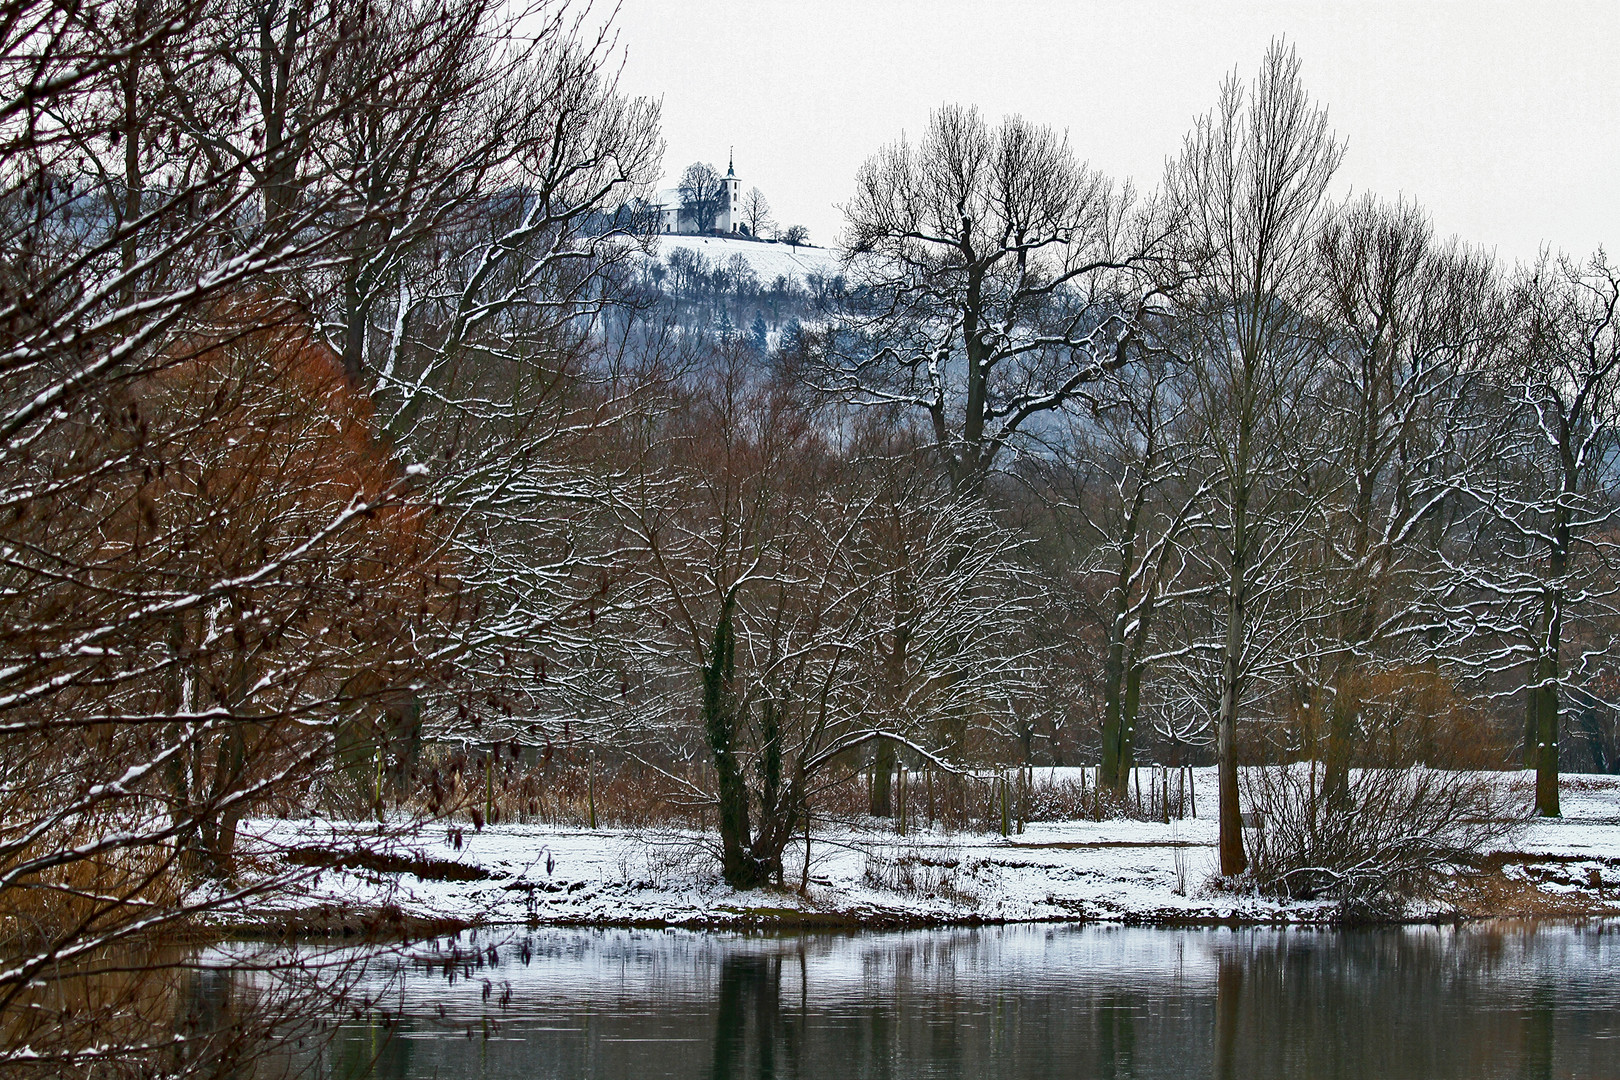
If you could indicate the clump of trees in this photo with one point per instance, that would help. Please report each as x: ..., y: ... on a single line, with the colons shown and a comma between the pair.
x: 1269, y: 450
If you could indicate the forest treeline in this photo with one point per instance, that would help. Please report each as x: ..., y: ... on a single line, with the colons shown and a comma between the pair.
x: 357, y: 447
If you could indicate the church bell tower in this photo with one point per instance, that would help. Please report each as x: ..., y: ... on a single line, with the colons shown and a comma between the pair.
x: 733, y: 207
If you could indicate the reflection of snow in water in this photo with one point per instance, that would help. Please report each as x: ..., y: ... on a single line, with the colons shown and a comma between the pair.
x: 578, y: 965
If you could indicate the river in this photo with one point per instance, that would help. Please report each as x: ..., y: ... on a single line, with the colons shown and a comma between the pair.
x: 1493, y: 1000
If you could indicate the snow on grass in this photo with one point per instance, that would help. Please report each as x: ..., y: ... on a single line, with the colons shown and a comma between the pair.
x: 1115, y: 870
x: 768, y: 260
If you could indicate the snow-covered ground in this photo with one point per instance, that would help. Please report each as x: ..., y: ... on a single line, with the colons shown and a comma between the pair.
x: 768, y: 260
x: 1115, y: 870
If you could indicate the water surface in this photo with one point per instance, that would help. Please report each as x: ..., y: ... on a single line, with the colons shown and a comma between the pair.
x: 1017, y: 1002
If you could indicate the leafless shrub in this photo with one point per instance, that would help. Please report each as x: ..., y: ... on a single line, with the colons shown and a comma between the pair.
x: 1152, y: 793
x: 508, y: 782
x: 1385, y: 842
x: 935, y: 871
x: 677, y: 856
x: 1070, y: 800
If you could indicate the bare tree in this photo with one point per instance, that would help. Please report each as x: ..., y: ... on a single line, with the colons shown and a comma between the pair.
x: 794, y: 235
x: 480, y: 321
x: 1250, y: 187
x: 703, y: 195
x: 808, y: 604
x: 1410, y: 326
x: 1124, y: 486
x: 756, y: 213
x: 1002, y: 276
x: 229, y: 599
x: 946, y: 651
x: 743, y: 561
x: 1553, y: 507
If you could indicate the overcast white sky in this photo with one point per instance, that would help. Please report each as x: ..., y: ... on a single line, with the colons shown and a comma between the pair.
x: 1500, y: 118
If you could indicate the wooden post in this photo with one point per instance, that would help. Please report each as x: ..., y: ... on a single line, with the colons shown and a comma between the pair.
x: 1023, y: 799
x: 590, y: 785
x: 1005, y: 823
x: 900, y: 790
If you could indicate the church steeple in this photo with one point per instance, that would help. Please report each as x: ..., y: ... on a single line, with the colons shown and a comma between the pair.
x: 731, y: 213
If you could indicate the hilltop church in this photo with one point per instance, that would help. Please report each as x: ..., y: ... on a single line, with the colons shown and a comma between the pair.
x: 673, y: 217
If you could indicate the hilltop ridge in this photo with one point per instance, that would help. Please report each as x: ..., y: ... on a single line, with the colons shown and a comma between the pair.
x: 768, y: 259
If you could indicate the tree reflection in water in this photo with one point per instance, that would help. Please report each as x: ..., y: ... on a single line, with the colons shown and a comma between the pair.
x: 749, y: 1015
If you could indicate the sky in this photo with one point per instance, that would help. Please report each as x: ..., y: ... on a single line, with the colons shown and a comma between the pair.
x: 1501, y: 119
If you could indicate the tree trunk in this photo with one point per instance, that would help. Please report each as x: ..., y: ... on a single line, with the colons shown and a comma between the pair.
x: 1133, y: 702
x: 1233, y: 859
x: 1116, y: 739
x: 737, y: 863
x: 894, y: 674
x: 1547, y: 707
x: 1532, y: 721
x: 1546, y: 749
x: 882, y: 778
x: 133, y: 178
x: 1228, y: 998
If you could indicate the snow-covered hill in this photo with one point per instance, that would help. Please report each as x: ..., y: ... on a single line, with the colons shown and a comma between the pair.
x: 768, y: 260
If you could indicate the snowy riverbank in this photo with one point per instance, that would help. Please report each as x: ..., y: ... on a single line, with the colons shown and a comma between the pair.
x: 1116, y: 871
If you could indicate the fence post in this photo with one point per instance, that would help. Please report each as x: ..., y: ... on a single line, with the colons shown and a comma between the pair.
x: 929, y: 780
x: 1020, y: 811
x: 900, y: 790
x: 590, y: 786
x: 1005, y: 808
